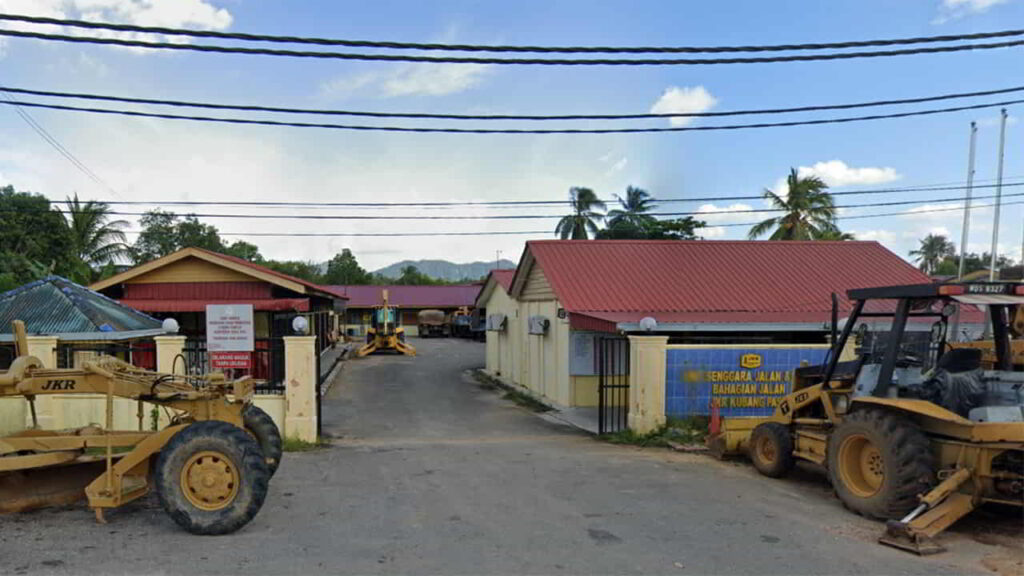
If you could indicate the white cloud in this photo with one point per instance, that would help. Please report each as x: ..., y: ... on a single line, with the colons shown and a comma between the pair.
x: 837, y: 173
x: 956, y: 9
x: 197, y: 14
x: 409, y: 80
x: 685, y: 100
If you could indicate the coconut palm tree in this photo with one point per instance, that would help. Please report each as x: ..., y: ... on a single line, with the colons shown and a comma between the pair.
x: 96, y: 241
x: 586, y: 213
x: 807, y: 211
x: 834, y: 234
x: 933, y: 250
x: 633, y: 213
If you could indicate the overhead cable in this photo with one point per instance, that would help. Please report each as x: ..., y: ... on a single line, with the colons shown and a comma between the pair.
x: 504, y: 61
x: 501, y: 48
x: 356, y: 127
x: 530, y: 117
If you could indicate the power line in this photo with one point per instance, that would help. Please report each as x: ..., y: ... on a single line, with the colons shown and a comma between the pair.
x: 506, y: 61
x: 530, y: 117
x: 501, y: 48
x: 53, y: 142
x: 538, y: 232
x: 249, y: 121
x: 517, y: 203
x: 516, y: 216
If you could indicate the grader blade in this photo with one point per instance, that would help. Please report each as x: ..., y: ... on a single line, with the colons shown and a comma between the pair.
x: 42, y: 487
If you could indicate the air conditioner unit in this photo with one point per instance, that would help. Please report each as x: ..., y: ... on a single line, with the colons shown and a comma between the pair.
x: 539, y: 325
x: 496, y: 323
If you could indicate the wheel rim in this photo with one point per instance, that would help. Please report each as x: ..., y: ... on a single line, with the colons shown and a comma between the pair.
x: 209, y: 480
x: 766, y: 450
x: 861, y: 467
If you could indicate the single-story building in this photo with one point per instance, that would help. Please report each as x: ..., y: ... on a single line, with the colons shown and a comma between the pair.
x: 409, y: 300
x: 546, y: 325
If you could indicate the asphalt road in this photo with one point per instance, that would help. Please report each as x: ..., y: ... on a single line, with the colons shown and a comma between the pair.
x: 430, y: 473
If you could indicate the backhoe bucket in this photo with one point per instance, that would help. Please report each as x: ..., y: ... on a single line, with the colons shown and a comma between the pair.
x: 60, y: 485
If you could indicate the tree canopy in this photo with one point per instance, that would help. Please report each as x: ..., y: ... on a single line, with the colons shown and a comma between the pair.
x: 808, y: 211
x: 34, y: 240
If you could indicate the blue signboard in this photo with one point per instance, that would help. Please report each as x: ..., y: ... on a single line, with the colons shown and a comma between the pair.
x: 739, y: 380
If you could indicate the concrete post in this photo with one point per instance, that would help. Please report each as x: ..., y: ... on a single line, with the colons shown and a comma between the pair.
x: 646, y: 382
x: 167, y: 349
x: 301, y: 380
x: 45, y: 349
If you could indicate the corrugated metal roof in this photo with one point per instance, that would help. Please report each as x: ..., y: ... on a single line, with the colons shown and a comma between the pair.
x: 709, y: 280
x: 504, y: 277
x: 453, y: 296
x: 56, y: 305
x: 199, y: 304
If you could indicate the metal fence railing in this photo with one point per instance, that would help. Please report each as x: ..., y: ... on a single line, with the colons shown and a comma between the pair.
x: 266, y: 363
x: 141, y: 353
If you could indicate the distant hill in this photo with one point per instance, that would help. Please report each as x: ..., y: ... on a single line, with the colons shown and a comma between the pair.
x: 444, y: 269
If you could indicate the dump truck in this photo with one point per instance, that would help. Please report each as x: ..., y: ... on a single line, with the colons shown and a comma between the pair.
x: 916, y: 440
x: 432, y: 323
x: 210, y: 465
x: 385, y: 333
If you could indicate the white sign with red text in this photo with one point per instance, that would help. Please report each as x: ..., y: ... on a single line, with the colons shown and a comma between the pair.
x: 229, y: 328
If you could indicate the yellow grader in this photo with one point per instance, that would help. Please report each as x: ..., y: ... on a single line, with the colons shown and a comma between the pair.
x: 917, y: 440
x: 210, y: 466
x: 385, y: 332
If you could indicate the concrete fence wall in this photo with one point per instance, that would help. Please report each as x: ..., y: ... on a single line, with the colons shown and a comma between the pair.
x: 294, y: 412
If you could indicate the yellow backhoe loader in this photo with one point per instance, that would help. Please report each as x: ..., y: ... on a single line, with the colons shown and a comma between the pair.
x: 210, y: 466
x: 385, y: 333
x: 915, y: 439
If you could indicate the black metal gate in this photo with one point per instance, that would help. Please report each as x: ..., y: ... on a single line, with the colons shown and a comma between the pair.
x: 612, y: 385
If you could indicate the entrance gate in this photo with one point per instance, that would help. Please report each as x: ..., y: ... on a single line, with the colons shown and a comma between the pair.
x: 612, y: 385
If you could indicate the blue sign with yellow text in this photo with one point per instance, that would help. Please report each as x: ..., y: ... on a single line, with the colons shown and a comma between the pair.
x: 739, y: 380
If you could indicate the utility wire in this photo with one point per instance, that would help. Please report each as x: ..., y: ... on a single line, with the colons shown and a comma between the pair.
x: 500, y: 48
x: 531, y: 117
x: 516, y: 203
x: 507, y: 61
x: 540, y: 232
x: 250, y: 121
x: 53, y: 142
x: 518, y: 216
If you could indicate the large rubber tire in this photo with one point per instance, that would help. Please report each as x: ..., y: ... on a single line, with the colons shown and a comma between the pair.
x: 879, y: 462
x: 240, y: 475
x: 771, y: 449
x: 267, y: 434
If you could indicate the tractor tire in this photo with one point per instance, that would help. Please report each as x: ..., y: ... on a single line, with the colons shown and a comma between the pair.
x: 879, y: 462
x: 262, y: 427
x: 211, y: 478
x: 771, y: 449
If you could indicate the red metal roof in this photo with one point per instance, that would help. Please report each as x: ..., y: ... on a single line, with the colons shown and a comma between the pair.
x: 504, y: 278
x: 366, y: 296
x: 199, y: 305
x: 711, y: 281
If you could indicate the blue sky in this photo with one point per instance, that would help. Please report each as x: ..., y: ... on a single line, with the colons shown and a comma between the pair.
x: 167, y: 160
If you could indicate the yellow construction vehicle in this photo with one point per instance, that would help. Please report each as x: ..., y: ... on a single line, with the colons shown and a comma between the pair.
x: 210, y: 466
x: 916, y: 439
x: 385, y: 332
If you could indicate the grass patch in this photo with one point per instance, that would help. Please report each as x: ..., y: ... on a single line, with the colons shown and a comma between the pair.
x: 526, y: 401
x: 296, y: 445
x: 691, y: 430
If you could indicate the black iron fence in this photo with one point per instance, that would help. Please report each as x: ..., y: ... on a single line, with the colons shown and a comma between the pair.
x: 266, y: 363
x: 612, y: 385
x: 141, y: 353
x: 6, y: 356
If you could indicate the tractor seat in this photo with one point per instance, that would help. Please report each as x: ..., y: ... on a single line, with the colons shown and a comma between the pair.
x: 960, y: 360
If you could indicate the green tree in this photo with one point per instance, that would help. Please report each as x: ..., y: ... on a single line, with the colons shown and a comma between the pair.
x: 586, y: 214
x: 933, y: 249
x: 834, y: 233
x: 34, y: 240
x: 191, y: 233
x: 808, y: 211
x: 633, y: 211
x: 244, y: 250
x: 308, y: 271
x: 344, y: 269
x: 96, y: 240
x: 676, y: 229
x: 158, y: 236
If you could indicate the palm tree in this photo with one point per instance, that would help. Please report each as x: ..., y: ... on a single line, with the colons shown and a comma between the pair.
x: 834, y: 234
x: 933, y: 250
x: 586, y: 213
x: 96, y: 241
x: 808, y: 210
x: 633, y: 214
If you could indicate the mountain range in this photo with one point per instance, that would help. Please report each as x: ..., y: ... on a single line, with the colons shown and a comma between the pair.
x: 445, y: 270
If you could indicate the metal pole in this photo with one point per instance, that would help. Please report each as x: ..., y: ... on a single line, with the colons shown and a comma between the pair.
x: 967, y: 203
x: 999, y: 193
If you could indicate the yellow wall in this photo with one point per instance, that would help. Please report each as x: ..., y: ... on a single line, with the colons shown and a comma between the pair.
x: 190, y: 270
x: 584, y: 390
